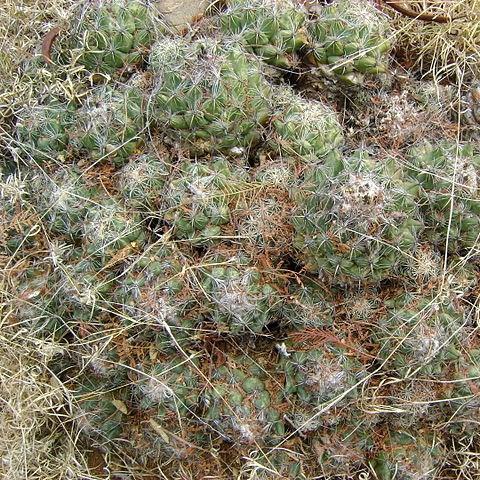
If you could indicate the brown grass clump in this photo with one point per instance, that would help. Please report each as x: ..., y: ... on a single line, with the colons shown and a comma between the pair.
x: 441, y: 50
x: 35, y: 440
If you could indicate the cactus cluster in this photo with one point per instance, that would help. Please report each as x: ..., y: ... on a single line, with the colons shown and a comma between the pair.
x: 239, y: 281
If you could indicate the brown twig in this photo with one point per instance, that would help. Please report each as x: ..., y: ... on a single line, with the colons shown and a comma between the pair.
x: 47, y: 44
x: 401, y: 7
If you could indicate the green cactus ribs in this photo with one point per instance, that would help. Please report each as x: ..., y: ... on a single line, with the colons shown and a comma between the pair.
x: 113, y: 35
x: 272, y: 29
x: 200, y: 199
x: 239, y: 296
x: 316, y: 376
x: 304, y: 128
x: 350, y: 40
x: 420, y: 333
x: 243, y: 403
x: 211, y: 96
x: 449, y: 195
x: 42, y: 131
x: 110, y: 123
x: 357, y: 219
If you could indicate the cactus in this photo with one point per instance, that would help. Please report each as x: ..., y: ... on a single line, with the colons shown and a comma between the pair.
x: 142, y: 179
x: 272, y: 29
x: 19, y: 223
x: 109, y: 124
x: 109, y: 228
x: 316, y: 376
x: 63, y: 200
x: 263, y: 215
x: 308, y: 306
x: 113, y: 35
x: 343, y: 449
x: 418, y: 334
x: 171, y: 387
x: 43, y: 131
x: 304, y: 128
x: 213, y: 96
x: 99, y: 408
x: 273, y: 464
x: 167, y: 393
x: 356, y: 220
x: 449, y: 194
x: 239, y: 297
x: 84, y: 288
x: 199, y: 199
x: 463, y: 374
x: 37, y: 305
x: 350, y: 39
x: 154, y: 291
x: 409, y: 456
x: 241, y: 402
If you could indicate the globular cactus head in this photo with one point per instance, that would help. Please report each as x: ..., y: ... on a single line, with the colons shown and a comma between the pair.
x: 308, y: 305
x: 449, y: 195
x: 462, y: 392
x: 263, y: 215
x: 171, y: 387
x: 303, y: 128
x: 154, y: 292
x: 37, y: 305
x: 200, y: 199
x: 43, y: 131
x: 84, y: 288
x: 357, y: 219
x: 211, y: 96
x: 109, y: 124
x: 349, y: 39
x: 419, y: 333
x: 141, y: 181
x: 63, y: 200
x: 315, y: 376
x: 239, y: 297
x: 343, y: 449
x: 272, y: 29
x: 109, y: 228
x: 409, y: 455
x: 101, y: 411
x: 113, y: 35
x: 241, y: 402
